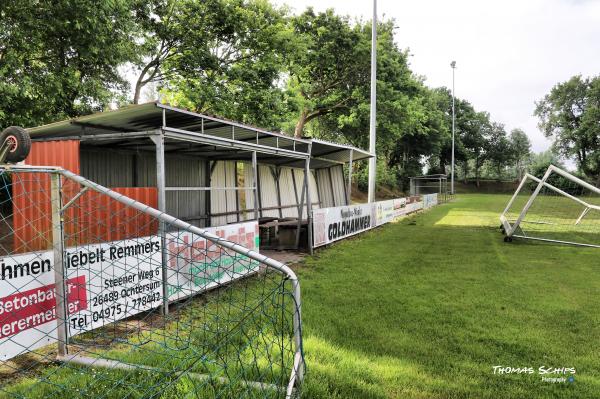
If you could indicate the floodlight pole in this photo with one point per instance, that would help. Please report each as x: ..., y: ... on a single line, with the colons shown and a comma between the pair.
x: 372, y: 133
x: 453, y: 65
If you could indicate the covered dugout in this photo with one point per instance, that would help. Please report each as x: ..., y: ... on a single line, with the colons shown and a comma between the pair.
x: 202, y: 169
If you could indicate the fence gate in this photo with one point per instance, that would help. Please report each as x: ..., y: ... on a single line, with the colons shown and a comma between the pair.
x: 99, y: 299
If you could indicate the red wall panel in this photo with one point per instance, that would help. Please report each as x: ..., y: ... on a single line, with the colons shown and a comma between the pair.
x: 32, y: 218
x: 93, y: 218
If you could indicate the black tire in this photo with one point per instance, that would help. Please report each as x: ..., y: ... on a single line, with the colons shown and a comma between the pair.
x: 507, y: 239
x: 20, y: 143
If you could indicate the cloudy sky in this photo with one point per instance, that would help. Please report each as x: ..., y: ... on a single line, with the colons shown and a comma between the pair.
x: 509, y: 53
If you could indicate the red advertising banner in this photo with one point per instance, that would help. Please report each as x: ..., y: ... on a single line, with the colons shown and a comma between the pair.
x: 32, y: 308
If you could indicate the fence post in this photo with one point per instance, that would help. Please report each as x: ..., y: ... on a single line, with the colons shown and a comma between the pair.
x: 59, y: 270
x: 162, y: 206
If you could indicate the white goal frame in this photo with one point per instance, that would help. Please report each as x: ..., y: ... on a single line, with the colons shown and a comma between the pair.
x: 511, y: 228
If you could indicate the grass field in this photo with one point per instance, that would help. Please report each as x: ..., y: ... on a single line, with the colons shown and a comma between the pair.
x: 421, y: 308
x: 426, y: 307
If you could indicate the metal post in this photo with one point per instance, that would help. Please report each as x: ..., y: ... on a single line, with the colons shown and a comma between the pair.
x: 301, y: 210
x: 59, y: 271
x: 372, y: 132
x: 162, y: 206
x: 349, y: 191
x: 308, y: 206
x: 255, y: 183
x: 453, y: 65
x: 530, y: 202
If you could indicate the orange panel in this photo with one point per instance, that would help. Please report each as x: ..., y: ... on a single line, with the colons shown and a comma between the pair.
x: 101, y: 218
x: 32, y: 217
x: 93, y: 218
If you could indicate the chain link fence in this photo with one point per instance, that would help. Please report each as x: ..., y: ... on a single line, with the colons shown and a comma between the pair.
x: 100, y: 298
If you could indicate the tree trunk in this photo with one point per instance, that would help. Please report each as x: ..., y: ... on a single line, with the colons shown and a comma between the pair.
x: 299, y: 130
x: 138, y: 91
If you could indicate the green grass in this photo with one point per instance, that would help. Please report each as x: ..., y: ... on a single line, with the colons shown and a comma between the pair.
x: 421, y: 308
x: 424, y: 308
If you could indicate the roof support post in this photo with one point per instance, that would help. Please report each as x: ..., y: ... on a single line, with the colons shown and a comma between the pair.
x: 159, y: 142
x: 305, y: 189
x: 301, y: 210
x: 308, y: 204
x: 255, y: 183
x: 349, y: 190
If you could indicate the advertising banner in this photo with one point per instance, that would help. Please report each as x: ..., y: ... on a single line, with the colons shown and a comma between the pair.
x: 399, y: 207
x: 110, y: 281
x: 414, y: 206
x: 197, y: 265
x: 332, y: 224
x: 384, y: 211
x: 119, y: 279
x: 430, y: 200
x: 27, y: 316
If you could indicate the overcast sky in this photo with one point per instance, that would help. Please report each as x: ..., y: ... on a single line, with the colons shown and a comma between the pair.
x: 509, y: 53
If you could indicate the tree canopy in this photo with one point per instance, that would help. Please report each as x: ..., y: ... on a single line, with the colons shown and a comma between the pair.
x: 570, y: 114
x: 59, y: 61
x: 306, y: 74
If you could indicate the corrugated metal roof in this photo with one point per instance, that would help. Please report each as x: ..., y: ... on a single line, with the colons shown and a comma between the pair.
x: 149, y: 116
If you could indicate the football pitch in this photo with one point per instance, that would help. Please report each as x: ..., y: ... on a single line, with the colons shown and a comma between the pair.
x: 428, y: 307
x: 435, y: 305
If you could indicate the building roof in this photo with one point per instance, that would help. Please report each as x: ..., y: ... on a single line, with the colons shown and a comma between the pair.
x: 195, y: 133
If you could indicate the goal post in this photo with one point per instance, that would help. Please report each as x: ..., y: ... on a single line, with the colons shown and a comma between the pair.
x: 558, y: 207
x: 104, y: 296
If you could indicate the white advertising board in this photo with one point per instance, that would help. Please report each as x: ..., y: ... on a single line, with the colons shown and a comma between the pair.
x: 332, y: 224
x: 27, y: 315
x: 118, y: 279
x: 414, y: 206
x: 430, y: 200
x: 384, y: 212
x: 196, y: 265
x: 111, y: 281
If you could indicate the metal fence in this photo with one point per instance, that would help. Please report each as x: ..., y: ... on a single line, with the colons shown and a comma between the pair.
x: 103, y: 296
x: 431, y: 184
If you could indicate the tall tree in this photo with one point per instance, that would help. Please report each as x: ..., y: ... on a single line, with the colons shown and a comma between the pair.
x: 475, y: 141
x: 499, y: 151
x: 409, y: 123
x: 330, y: 65
x: 570, y: 114
x: 226, y: 59
x: 59, y: 59
x: 520, y: 148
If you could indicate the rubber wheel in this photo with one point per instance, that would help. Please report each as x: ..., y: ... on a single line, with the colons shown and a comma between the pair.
x: 19, y: 141
x: 507, y: 239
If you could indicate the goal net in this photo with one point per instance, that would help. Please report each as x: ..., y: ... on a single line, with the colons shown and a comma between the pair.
x: 559, y: 207
x: 103, y: 296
